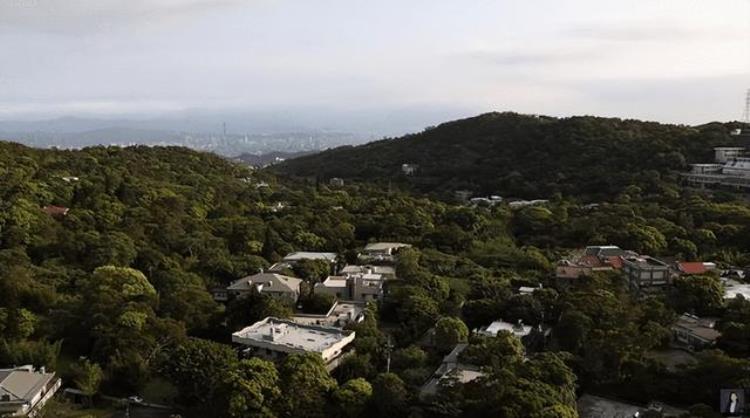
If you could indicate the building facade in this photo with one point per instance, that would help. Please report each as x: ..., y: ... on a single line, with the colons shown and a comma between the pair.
x: 646, y: 274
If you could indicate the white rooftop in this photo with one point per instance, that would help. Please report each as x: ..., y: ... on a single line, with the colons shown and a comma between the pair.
x: 519, y: 329
x: 289, y: 334
x: 733, y: 288
x: 305, y: 255
x: 333, y: 281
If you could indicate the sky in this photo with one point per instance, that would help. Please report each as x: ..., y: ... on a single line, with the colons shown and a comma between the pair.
x: 681, y: 61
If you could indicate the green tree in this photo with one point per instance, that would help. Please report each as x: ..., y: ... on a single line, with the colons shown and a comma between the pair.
x: 389, y: 395
x: 449, y: 332
x: 87, y: 377
x: 352, y: 397
x: 306, y: 384
x: 198, y: 368
x: 253, y: 389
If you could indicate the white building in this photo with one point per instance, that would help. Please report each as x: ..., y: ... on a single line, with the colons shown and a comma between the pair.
x: 409, y: 169
x: 274, y: 338
x: 733, y: 289
x: 731, y: 169
x: 724, y: 154
x: 518, y: 329
x: 23, y: 391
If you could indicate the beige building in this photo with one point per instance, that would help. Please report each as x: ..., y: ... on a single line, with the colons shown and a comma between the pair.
x: 272, y: 284
x: 355, y: 287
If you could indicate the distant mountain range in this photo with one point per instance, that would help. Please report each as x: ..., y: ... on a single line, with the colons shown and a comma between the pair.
x: 509, y: 154
x: 230, y: 132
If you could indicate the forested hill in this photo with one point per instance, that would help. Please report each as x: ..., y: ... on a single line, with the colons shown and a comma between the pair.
x: 524, y: 156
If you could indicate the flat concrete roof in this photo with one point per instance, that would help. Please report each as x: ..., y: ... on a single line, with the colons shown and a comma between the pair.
x: 518, y: 330
x: 282, y: 332
x: 305, y: 255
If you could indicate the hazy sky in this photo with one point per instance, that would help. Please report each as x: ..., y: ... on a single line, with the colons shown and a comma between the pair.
x: 678, y: 60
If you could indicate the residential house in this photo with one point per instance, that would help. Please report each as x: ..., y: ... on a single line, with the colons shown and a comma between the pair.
x: 292, y: 259
x: 336, y: 182
x: 590, y: 260
x: 646, y: 274
x: 272, y: 284
x: 388, y: 272
x: 409, y: 169
x: 24, y: 391
x: 354, y: 287
x: 518, y: 329
x: 274, y: 339
x: 687, y: 268
x: 340, y: 315
x: 450, y: 368
x: 383, y: 248
x: 734, y: 289
x: 382, y: 251
x: 694, y: 333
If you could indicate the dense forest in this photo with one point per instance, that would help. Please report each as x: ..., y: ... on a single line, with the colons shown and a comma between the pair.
x: 523, y: 156
x: 114, y: 293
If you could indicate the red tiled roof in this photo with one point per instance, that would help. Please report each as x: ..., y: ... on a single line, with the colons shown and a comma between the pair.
x: 590, y: 261
x: 694, y: 267
x: 615, y: 261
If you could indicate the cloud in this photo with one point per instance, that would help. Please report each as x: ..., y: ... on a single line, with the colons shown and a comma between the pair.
x: 75, y: 16
x: 648, y: 32
x: 534, y: 58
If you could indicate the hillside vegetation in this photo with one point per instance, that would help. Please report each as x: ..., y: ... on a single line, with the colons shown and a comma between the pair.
x: 523, y: 156
x: 114, y: 294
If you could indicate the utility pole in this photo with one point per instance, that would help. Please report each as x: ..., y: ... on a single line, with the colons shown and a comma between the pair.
x: 388, y: 348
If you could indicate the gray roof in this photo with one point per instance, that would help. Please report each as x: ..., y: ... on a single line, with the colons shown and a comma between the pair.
x: 383, y: 246
x: 271, y: 283
x: 22, y: 385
